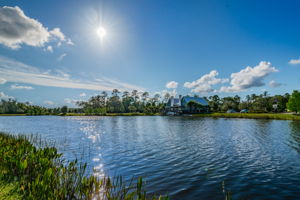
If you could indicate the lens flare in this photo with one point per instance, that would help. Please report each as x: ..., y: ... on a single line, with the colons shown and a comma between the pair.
x: 101, y: 32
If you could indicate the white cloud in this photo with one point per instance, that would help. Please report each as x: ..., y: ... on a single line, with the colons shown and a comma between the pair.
x: 294, y: 61
x: 57, y: 33
x: 249, y: 77
x: 164, y: 92
x: 20, y: 87
x: 57, y: 72
x: 17, y: 28
x: 2, y: 81
x: 172, y: 85
x: 69, y: 42
x: 204, y: 84
x: 47, y: 102
x: 61, y: 57
x: 50, y: 49
x: 82, y: 94
x: 70, y: 101
x: 5, y: 96
x: 274, y: 84
x: 14, y: 71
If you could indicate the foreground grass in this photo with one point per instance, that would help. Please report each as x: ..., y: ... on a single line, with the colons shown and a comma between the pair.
x: 8, y: 191
x: 251, y: 116
x: 40, y: 173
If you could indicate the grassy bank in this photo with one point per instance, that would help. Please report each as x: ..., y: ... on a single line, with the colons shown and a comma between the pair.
x: 12, y: 114
x: 29, y: 172
x: 84, y: 114
x: 251, y: 116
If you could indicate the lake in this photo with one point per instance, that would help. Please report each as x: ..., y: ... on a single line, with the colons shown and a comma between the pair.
x: 187, y: 157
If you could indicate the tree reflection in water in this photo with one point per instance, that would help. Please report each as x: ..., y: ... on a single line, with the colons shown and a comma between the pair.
x: 294, y: 141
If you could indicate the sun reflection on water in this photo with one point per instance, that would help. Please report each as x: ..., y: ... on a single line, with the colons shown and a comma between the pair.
x: 93, y: 133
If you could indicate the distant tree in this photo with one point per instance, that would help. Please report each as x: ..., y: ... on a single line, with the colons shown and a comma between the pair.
x: 214, y: 103
x: 278, y: 103
x: 64, y: 109
x: 125, y: 94
x: 230, y: 103
x: 193, y: 105
x: 145, y: 96
x: 253, y: 97
x: 115, y: 92
x: 248, y: 98
x: 114, y: 104
x: 104, y: 95
x: 127, y: 100
x: 132, y: 108
x: 135, y: 95
x: 294, y: 102
x: 244, y: 105
x: 156, y: 99
x: 167, y: 96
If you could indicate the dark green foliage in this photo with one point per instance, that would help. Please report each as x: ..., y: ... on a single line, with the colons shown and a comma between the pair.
x: 41, y: 173
x: 103, y: 104
x: 125, y: 103
x: 11, y: 106
x: 193, y: 105
x: 262, y: 103
x: 294, y: 102
x: 64, y: 109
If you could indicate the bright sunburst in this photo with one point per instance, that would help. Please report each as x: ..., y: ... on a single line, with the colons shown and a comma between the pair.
x: 101, y: 32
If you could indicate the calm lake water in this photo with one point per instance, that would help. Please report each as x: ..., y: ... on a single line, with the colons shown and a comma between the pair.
x: 186, y: 157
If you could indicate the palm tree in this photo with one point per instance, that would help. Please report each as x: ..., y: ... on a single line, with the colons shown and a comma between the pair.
x: 167, y: 96
x: 125, y: 94
x: 145, y: 96
x: 135, y: 95
x: 115, y: 92
x: 104, y: 94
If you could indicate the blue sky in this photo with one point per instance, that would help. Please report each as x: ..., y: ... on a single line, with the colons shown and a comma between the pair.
x: 51, y: 54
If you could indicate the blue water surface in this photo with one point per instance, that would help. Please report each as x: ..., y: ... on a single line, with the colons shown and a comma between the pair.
x: 186, y: 157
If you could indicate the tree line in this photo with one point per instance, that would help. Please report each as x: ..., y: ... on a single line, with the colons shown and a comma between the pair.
x: 135, y: 102
x: 12, y: 106
x: 126, y: 102
x: 263, y: 103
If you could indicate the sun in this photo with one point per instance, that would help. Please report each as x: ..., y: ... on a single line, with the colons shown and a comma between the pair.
x: 101, y: 32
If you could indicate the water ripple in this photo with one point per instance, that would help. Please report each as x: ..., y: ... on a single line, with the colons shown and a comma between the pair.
x: 187, y: 157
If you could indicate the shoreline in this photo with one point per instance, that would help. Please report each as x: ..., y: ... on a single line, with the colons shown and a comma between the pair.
x: 83, y: 114
x: 278, y: 116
